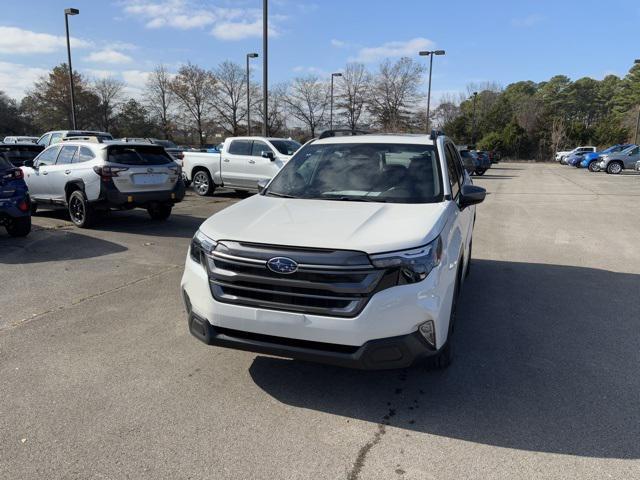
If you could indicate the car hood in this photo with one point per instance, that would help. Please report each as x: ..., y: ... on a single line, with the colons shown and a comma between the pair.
x: 365, y: 226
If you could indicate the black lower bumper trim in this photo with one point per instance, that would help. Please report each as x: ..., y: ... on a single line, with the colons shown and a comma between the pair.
x: 113, y: 197
x: 385, y: 353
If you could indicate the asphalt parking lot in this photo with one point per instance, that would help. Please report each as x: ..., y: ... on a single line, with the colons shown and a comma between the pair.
x: 101, y: 379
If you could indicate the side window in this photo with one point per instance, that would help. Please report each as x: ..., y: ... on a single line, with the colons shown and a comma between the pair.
x: 240, y: 147
x: 67, y: 154
x: 454, y: 182
x: 48, y: 157
x: 55, y: 138
x: 84, y: 156
x: 258, y: 148
x: 459, y: 166
x: 44, y: 140
x: 635, y: 151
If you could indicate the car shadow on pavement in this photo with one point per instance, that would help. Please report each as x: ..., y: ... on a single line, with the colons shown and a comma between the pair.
x: 547, y: 360
x: 137, y: 222
x: 54, y: 245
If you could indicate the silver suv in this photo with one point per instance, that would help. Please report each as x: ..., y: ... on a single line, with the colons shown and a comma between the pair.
x: 88, y: 176
x: 616, y: 162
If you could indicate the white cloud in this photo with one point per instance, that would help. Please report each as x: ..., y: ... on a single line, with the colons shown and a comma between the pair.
x: 135, y: 82
x: 241, y: 30
x: 108, y: 55
x: 338, y: 43
x: 170, y: 13
x: 528, y: 21
x: 311, y: 71
x: 16, y: 79
x: 16, y: 40
x: 409, y: 48
x: 225, y: 23
x: 99, y: 74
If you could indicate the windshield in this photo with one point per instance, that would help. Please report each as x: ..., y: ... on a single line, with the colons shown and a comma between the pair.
x: 381, y: 172
x: 286, y: 147
x: 138, y: 155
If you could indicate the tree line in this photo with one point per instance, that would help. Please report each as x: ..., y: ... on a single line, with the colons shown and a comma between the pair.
x: 196, y: 106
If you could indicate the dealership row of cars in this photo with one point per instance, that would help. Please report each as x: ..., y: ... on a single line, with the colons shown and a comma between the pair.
x: 613, y: 160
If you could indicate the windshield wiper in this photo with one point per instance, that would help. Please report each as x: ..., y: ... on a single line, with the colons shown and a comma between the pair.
x: 356, y: 199
x: 276, y: 194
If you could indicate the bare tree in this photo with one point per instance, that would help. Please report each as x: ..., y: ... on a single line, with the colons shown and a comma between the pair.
x: 194, y: 87
x: 230, y: 96
x: 394, y: 92
x: 109, y: 92
x: 447, y: 110
x: 159, y: 98
x: 276, y: 121
x: 307, y: 100
x: 353, y: 92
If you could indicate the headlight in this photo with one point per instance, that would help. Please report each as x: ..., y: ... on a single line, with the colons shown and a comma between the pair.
x: 415, y: 264
x: 201, y: 245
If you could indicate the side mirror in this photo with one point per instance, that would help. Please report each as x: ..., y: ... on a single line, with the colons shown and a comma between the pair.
x: 471, y: 195
x: 262, y: 184
x: 268, y: 154
x: 28, y: 163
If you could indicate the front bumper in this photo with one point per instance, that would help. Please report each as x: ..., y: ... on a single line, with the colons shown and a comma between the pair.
x: 385, y: 353
x: 110, y: 195
x: 383, y: 335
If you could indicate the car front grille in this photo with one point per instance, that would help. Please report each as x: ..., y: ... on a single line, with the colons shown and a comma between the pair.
x: 327, y: 282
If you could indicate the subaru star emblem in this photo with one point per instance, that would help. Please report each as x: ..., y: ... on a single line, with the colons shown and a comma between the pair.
x: 282, y: 265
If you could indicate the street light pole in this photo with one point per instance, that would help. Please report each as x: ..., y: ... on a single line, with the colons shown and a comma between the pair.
x: 473, y: 123
x: 337, y: 74
x: 430, y: 53
x: 67, y: 12
x: 265, y: 77
x: 249, y: 55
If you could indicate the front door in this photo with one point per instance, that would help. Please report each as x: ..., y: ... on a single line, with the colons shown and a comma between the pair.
x: 37, y: 178
x: 259, y: 167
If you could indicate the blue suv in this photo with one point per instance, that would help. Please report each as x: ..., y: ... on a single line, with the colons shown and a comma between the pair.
x: 15, y: 204
x: 591, y: 160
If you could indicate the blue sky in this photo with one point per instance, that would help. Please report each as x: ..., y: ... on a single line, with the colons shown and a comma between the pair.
x: 491, y: 40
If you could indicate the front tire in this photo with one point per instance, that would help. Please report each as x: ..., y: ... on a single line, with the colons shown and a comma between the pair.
x: 19, y: 227
x: 594, y: 167
x: 159, y: 212
x: 480, y: 171
x: 80, y: 211
x: 202, y: 183
x: 614, y: 168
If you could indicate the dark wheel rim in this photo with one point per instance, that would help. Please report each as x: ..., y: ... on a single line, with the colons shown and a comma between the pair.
x: 76, y: 209
x: 201, y: 183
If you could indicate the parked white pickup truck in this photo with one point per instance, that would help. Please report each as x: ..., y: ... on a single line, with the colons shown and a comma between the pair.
x: 242, y: 162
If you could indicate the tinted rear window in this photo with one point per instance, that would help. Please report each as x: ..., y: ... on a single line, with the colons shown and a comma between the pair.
x: 138, y: 155
x: 18, y: 154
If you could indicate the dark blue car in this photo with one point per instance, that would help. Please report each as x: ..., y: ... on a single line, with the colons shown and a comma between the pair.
x: 15, y: 204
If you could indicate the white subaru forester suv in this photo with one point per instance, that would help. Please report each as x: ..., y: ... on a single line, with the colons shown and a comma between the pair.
x: 353, y: 255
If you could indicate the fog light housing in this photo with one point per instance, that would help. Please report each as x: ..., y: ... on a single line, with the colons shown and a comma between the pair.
x: 428, y: 332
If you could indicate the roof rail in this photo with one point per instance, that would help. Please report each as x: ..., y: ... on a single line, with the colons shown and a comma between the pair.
x: 435, y: 134
x: 341, y: 133
x: 83, y: 138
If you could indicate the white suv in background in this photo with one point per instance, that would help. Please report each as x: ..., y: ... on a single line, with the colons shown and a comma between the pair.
x: 353, y: 255
x: 87, y: 176
x: 53, y: 137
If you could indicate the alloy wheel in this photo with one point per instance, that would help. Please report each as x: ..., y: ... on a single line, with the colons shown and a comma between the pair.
x: 201, y: 183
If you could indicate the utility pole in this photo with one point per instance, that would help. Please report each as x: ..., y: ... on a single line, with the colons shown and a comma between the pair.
x: 265, y: 67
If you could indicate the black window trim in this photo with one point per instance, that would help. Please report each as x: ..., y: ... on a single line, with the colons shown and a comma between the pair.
x: 447, y: 146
